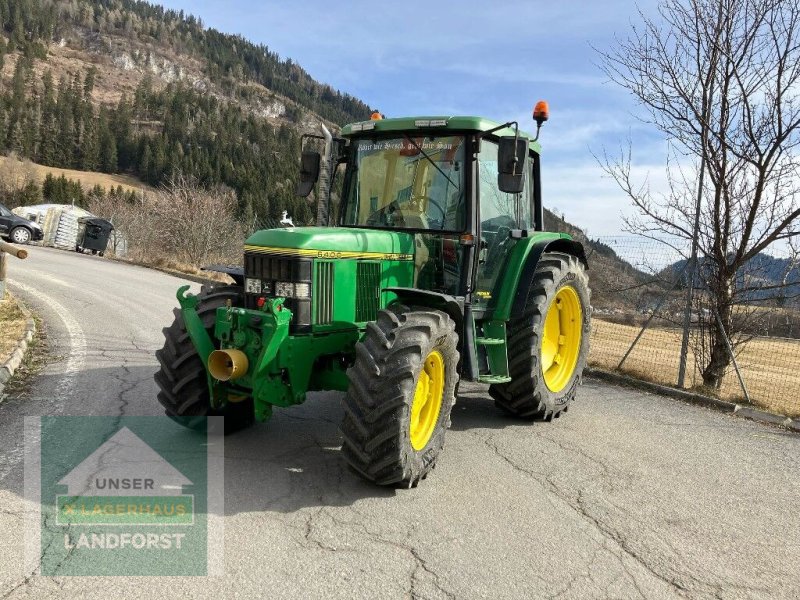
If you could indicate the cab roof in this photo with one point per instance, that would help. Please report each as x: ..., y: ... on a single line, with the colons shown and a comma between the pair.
x: 426, y: 124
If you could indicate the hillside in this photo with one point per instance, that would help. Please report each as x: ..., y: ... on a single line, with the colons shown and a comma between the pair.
x: 764, y: 277
x: 15, y: 172
x: 617, y: 286
x: 125, y: 87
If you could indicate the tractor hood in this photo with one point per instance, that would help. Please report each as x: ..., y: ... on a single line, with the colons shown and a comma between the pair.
x: 333, y: 242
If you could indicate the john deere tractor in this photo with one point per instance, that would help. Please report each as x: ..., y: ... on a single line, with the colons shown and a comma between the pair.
x: 433, y: 269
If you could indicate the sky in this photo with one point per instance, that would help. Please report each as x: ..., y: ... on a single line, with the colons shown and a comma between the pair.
x: 493, y: 59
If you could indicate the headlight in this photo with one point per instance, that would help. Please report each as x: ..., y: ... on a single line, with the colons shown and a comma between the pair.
x: 284, y: 289
x: 287, y: 289
x: 252, y: 286
x: 302, y: 290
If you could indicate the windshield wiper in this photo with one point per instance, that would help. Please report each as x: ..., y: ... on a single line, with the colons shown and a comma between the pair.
x: 430, y: 160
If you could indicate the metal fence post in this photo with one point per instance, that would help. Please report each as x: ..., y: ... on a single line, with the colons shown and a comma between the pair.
x: 687, y: 315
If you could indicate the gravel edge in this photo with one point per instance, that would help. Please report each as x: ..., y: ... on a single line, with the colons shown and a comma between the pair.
x: 732, y: 408
x: 11, y: 364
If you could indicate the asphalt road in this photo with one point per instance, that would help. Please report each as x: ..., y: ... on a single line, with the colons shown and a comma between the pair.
x: 628, y: 495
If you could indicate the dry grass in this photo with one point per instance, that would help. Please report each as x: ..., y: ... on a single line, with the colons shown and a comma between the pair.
x: 770, y: 366
x: 88, y: 179
x: 12, y: 326
x: 177, y: 268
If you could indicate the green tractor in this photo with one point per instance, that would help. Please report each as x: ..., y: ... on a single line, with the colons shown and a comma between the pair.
x: 435, y: 269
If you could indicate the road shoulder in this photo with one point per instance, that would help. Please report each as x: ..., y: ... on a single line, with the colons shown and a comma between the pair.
x: 732, y: 408
x: 19, y: 328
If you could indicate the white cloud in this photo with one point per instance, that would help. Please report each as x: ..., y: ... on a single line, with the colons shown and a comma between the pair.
x: 590, y: 199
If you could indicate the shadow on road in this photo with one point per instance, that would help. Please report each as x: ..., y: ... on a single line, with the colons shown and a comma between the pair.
x: 291, y: 462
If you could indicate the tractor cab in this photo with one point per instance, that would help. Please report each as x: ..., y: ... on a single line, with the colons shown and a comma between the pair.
x: 464, y: 188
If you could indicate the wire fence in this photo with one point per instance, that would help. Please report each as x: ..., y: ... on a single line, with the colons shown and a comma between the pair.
x: 635, y: 292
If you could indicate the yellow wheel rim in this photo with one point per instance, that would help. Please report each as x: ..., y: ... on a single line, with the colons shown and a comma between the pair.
x: 427, y: 400
x: 561, y: 339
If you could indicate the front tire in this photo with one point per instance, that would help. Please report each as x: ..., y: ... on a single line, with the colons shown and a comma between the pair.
x: 20, y: 235
x: 182, y: 379
x: 402, y: 389
x: 549, y: 345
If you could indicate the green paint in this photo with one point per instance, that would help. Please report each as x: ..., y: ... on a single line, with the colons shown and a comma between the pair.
x: 500, y: 306
x: 282, y: 368
x: 496, y: 350
x: 453, y: 124
x: 199, y: 336
x: 335, y: 239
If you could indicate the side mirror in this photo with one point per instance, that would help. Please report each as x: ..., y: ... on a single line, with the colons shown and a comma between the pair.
x: 309, y: 173
x: 511, y: 162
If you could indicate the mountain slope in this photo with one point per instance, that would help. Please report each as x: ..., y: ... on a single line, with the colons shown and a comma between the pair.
x: 127, y: 87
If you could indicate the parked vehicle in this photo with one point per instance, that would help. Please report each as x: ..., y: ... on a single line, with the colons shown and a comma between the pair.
x: 17, y: 229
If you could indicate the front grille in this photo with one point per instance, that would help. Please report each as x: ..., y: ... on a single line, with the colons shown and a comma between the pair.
x: 323, y: 293
x: 271, y: 268
x: 368, y: 282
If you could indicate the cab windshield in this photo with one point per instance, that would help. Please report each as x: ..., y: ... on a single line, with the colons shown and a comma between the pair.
x: 407, y: 182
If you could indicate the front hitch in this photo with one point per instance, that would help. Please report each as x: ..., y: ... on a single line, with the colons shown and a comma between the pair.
x: 234, y: 327
x: 198, y: 334
x: 194, y: 325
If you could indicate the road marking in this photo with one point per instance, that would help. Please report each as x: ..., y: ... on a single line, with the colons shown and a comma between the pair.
x: 73, y: 365
x: 77, y: 341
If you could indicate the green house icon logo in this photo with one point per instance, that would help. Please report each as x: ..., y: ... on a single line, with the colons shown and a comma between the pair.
x: 125, y: 482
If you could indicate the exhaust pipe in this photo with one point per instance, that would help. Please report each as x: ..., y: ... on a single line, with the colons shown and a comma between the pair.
x: 228, y: 364
x: 325, y: 176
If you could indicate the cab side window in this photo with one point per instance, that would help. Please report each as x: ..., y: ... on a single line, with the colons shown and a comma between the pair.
x: 500, y: 212
x: 501, y: 208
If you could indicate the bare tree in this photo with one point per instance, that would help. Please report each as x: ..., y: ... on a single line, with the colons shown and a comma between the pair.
x: 198, y: 225
x: 182, y: 223
x: 721, y: 79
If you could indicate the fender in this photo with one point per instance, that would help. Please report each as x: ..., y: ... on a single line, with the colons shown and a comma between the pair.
x: 565, y: 245
x: 452, y: 305
x: 455, y: 307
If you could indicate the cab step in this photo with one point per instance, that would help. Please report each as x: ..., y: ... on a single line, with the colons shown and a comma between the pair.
x: 484, y: 341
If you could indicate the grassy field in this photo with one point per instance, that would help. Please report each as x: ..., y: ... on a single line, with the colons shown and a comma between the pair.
x: 770, y: 366
x: 12, y: 324
x: 12, y: 168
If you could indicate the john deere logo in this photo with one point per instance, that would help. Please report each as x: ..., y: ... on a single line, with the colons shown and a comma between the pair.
x: 123, y: 496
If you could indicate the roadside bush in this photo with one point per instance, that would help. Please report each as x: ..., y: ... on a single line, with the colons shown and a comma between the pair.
x: 182, y: 224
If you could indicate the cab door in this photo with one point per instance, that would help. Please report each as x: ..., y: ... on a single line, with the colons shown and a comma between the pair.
x: 500, y: 213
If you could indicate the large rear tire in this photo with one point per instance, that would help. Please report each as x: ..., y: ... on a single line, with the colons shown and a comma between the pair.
x: 549, y: 345
x: 402, y: 388
x: 182, y: 381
